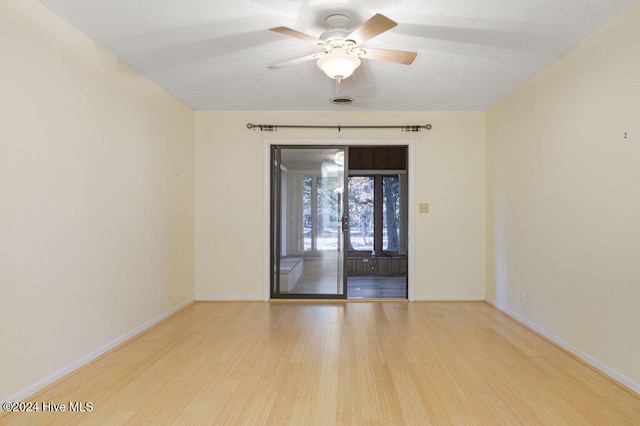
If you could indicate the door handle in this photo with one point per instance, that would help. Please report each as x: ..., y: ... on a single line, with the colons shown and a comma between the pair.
x: 345, y: 223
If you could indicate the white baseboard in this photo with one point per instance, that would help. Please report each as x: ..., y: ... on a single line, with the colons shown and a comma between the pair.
x: 447, y: 299
x: 583, y: 356
x: 41, y: 384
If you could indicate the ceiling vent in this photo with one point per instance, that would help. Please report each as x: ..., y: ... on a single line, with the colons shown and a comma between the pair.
x: 342, y: 100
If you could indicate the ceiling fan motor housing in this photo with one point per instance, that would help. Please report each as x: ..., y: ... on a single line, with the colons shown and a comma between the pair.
x: 338, y: 28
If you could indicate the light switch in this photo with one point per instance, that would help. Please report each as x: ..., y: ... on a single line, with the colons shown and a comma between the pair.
x: 423, y: 207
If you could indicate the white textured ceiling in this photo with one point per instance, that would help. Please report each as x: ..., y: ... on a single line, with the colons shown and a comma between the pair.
x: 213, y: 54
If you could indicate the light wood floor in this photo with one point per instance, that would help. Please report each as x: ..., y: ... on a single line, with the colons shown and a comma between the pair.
x: 360, y: 363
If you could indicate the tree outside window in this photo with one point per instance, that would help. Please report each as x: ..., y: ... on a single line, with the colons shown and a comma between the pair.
x: 363, y: 205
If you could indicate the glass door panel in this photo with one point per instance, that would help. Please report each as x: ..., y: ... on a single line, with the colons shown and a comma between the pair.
x: 307, y: 208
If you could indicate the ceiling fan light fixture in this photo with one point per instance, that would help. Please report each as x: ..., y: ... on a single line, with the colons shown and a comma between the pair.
x: 338, y: 64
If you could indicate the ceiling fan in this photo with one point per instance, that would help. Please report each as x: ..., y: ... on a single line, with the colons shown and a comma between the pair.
x: 341, y: 51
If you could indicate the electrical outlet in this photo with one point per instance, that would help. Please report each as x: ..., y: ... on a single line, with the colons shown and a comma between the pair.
x: 160, y: 293
x: 522, y: 294
x: 423, y: 207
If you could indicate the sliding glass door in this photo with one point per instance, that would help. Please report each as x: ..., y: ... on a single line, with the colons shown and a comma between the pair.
x: 308, y: 222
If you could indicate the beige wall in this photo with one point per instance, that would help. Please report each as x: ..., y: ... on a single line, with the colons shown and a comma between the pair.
x: 449, y: 242
x: 97, y: 186
x: 564, y: 199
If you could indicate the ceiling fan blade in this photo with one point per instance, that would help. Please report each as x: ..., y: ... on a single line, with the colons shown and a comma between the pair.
x: 296, y: 61
x: 376, y: 25
x: 296, y: 34
x: 397, y: 56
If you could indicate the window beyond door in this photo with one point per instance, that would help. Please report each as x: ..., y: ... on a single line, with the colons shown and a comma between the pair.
x: 375, y: 213
x: 361, y: 206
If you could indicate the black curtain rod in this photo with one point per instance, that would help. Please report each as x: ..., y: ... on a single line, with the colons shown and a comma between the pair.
x: 275, y: 127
